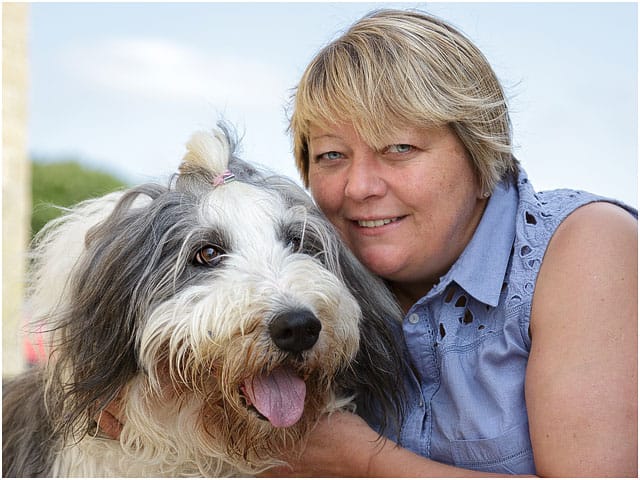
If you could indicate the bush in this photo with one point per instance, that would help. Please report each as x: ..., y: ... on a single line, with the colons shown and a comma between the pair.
x: 62, y: 184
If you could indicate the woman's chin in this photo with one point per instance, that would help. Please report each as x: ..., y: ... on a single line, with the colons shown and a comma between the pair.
x: 383, y: 261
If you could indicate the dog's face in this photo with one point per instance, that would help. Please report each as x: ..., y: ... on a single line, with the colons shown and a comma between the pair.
x: 225, y: 316
x: 254, y: 327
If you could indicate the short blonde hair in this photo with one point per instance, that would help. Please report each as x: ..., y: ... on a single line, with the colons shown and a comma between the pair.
x: 397, y: 68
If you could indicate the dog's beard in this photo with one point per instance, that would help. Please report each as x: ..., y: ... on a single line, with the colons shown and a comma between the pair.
x: 206, y: 410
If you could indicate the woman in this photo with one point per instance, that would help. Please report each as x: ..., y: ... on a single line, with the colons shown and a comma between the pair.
x: 521, y: 307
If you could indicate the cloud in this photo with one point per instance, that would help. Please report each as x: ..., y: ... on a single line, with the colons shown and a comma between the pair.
x: 167, y: 71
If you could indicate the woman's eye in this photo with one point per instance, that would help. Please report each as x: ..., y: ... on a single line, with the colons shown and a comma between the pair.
x: 208, y: 256
x: 330, y: 156
x: 399, y: 148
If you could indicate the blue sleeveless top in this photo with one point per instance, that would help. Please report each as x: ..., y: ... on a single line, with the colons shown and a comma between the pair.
x: 468, y: 338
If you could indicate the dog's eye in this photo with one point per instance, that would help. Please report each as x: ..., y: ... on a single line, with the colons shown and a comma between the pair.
x: 208, y: 256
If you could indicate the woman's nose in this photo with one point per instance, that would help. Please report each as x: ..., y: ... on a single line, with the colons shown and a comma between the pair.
x: 364, y: 179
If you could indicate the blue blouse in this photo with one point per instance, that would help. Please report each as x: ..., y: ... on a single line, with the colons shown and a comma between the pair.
x: 468, y: 338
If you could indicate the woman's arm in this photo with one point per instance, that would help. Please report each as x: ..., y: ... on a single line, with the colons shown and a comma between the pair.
x: 581, y: 386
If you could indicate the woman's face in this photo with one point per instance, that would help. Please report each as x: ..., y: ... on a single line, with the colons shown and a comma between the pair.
x: 406, y: 211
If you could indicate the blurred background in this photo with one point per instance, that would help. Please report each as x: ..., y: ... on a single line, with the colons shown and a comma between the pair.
x: 101, y: 95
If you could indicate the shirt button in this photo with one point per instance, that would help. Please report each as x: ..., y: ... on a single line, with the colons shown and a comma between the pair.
x: 414, y: 318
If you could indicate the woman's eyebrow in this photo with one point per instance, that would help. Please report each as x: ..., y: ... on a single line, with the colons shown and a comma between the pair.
x: 324, y: 135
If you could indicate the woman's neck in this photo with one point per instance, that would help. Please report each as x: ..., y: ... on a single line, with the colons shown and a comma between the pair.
x: 408, y: 294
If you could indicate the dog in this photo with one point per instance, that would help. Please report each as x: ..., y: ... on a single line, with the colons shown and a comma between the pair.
x: 223, y: 312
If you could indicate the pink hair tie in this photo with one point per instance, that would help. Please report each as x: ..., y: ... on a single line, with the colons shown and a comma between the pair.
x: 224, y: 177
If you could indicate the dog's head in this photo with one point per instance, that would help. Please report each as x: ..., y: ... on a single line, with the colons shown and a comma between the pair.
x: 225, y: 310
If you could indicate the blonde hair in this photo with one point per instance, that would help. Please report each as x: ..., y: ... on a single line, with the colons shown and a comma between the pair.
x: 397, y: 68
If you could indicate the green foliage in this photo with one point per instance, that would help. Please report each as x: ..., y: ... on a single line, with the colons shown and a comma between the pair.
x: 62, y: 184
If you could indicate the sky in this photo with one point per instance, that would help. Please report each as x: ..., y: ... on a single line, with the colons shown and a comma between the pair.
x: 122, y: 86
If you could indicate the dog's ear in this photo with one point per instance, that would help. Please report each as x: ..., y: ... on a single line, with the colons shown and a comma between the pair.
x: 127, y: 267
x: 381, y: 365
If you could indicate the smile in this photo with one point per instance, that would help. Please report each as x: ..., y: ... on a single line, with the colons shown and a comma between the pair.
x: 376, y: 223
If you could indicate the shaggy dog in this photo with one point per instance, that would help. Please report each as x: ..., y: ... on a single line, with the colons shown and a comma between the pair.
x: 222, y: 310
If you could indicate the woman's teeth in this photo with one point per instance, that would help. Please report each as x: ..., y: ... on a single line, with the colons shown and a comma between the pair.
x: 375, y: 223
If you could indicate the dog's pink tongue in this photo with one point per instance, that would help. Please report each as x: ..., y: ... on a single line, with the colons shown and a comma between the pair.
x: 279, y: 396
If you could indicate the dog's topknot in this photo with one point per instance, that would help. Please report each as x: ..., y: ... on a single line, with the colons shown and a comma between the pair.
x: 207, y: 151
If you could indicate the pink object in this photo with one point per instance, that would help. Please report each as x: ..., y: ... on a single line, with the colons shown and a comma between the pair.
x: 224, y: 177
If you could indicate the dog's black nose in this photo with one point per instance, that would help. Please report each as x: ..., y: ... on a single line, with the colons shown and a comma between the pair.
x: 295, y: 331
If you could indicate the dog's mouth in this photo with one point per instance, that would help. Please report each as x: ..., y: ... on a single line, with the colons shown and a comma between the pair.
x: 277, y: 396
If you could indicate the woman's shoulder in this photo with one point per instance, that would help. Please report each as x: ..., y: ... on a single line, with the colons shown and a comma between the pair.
x: 542, y: 215
x: 594, y: 239
x: 590, y: 261
x: 556, y: 228
x: 599, y: 219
